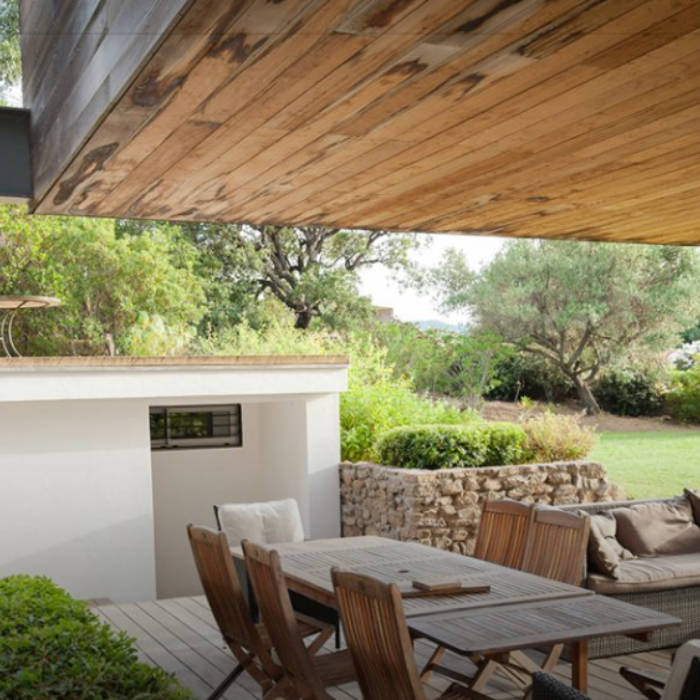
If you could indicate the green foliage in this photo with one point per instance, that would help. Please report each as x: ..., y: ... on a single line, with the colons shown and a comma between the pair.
x: 581, y: 306
x: 443, y: 362
x: 552, y: 437
x: 106, y: 283
x: 451, y: 446
x: 312, y: 270
x: 523, y: 374
x: 683, y: 400
x: 10, y: 63
x: 505, y: 444
x: 377, y: 400
x: 630, y: 391
x: 432, y: 447
x: 52, y: 646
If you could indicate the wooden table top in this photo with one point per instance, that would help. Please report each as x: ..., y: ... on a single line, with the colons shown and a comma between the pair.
x: 307, y: 568
x: 540, y: 623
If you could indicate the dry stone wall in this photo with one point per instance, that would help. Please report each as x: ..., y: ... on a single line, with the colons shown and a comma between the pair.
x: 442, y: 508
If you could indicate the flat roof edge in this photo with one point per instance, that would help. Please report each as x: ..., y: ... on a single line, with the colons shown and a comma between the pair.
x: 192, y: 362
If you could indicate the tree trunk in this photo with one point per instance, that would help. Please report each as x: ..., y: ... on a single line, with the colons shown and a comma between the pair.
x: 586, y: 396
x: 303, y: 320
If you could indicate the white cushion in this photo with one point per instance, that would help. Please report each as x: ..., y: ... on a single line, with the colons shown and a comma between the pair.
x: 680, y: 668
x: 263, y: 523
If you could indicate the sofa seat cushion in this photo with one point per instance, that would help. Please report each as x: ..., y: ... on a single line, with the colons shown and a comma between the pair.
x: 665, y: 527
x: 650, y: 574
x: 694, y: 499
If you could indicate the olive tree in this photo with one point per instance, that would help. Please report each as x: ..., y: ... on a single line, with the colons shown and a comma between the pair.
x: 580, y: 306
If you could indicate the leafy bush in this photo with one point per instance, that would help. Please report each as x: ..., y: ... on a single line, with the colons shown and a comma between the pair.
x: 629, y: 391
x: 433, y: 446
x: 376, y: 401
x: 444, y: 362
x: 505, y: 444
x: 52, y: 646
x: 552, y: 437
x: 449, y: 446
x: 683, y: 400
x: 523, y: 374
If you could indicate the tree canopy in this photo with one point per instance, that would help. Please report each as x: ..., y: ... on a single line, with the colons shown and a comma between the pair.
x: 312, y: 270
x: 117, y: 292
x: 581, y: 306
x: 10, y: 63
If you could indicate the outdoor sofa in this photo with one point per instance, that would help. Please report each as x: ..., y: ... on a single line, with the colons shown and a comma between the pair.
x: 646, y: 553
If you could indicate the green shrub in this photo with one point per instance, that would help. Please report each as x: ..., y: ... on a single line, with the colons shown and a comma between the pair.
x: 505, y: 444
x: 52, y: 646
x: 552, y: 437
x: 433, y: 446
x: 449, y: 446
x: 629, y: 391
x: 376, y: 401
x: 683, y: 400
x: 522, y: 374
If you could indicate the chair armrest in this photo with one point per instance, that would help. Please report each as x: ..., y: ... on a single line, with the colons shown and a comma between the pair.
x: 646, y: 683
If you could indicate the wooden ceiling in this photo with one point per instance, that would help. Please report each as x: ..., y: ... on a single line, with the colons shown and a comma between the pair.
x: 561, y: 118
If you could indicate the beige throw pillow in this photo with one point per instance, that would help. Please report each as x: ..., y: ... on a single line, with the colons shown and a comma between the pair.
x: 604, y: 551
x: 694, y: 499
x: 658, y: 528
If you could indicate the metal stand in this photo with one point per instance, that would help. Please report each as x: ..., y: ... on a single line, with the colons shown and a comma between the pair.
x: 6, y: 341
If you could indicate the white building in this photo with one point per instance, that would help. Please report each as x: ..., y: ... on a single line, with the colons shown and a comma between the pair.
x: 85, y: 499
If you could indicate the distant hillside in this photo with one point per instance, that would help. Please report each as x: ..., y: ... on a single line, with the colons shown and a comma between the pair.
x: 435, y: 324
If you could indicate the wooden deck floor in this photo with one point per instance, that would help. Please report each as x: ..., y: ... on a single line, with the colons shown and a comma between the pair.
x: 180, y: 636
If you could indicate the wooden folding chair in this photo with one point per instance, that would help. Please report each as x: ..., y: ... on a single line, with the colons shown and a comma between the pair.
x: 503, y: 532
x: 501, y: 539
x: 249, y: 642
x: 304, y: 676
x: 378, y: 638
x: 556, y: 549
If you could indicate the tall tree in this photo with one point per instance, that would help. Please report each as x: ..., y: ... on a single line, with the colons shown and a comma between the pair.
x: 310, y: 269
x: 581, y: 306
x: 117, y: 293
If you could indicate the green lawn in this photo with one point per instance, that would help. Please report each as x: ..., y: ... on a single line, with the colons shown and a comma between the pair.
x: 653, y: 464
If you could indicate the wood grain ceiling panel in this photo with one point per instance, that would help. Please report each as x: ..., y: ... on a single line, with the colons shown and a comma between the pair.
x: 539, y: 118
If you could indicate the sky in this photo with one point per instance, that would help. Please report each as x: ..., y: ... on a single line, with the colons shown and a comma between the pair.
x: 410, y: 305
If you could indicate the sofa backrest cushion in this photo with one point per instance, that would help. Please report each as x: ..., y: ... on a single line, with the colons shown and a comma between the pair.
x: 658, y: 528
x: 604, y: 550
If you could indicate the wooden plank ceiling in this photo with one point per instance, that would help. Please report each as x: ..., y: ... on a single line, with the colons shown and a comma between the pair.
x: 561, y: 118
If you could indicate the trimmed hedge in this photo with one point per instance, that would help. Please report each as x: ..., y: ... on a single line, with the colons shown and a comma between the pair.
x: 52, y: 646
x: 451, y: 446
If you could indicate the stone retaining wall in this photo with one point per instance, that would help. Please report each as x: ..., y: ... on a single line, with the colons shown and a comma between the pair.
x: 442, y: 507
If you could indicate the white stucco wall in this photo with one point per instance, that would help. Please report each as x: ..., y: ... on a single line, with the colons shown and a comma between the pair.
x: 75, y: 496
x: 186, y: 484
x: 84, y: 501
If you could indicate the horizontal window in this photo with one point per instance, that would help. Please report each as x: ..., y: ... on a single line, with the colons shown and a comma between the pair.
x: 196, y: 426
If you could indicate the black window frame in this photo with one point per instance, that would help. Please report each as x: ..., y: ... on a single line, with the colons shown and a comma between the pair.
x: 168, y: 441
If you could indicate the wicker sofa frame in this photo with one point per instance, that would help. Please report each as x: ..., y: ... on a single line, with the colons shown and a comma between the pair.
x: 679, y: 602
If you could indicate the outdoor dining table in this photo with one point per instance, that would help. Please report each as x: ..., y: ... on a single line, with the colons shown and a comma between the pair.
x: 519, y: 610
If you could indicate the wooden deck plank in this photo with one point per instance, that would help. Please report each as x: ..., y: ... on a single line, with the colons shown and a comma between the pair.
x: 180, y: 636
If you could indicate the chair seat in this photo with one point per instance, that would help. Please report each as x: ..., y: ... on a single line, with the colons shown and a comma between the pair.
x: 335, y: 668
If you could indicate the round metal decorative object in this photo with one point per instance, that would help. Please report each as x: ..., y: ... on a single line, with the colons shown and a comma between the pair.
x: 10, y: 305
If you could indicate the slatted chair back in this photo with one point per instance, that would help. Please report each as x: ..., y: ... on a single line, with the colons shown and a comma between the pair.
x: 223, y: 591
x: 503, y: 532
x: 377, y: 636
x: 271, y: 592
x: 556, y: 545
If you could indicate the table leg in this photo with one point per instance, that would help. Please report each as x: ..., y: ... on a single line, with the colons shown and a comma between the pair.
x: 579, y: 666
